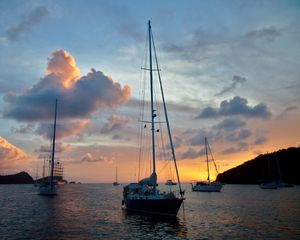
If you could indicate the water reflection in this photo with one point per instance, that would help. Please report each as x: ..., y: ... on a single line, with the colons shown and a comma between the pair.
x: 154, y: 226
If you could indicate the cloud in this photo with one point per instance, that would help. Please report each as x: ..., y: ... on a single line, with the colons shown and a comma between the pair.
x: 266, y: 33
x: 66, y: 129
x: 114, y: 123
x: 238, y: 136
x: 260, y: 140
x: 286, y: 111
x: 88, y: 157
x: 25, y: 24
x: 59, y: 147
x: 191, y: 154
x: 12, y: 156
x: 235, y: 81
x: 28, y: 128
x: 78, y: 97
x: 241, y: 146
x: 236, y: 106
x: 230, y: 124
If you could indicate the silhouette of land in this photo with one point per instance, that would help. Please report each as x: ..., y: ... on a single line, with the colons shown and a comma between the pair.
x: 281, y: 165
x: 19, y: 178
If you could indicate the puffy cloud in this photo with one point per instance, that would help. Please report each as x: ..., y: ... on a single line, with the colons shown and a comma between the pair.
x: 12, y: 156
x: 25, y: 24
x: 235, y: 81
x: 78, y: 97
x: 114, y: 122
x: 236, y: 106
x: 66, y: 129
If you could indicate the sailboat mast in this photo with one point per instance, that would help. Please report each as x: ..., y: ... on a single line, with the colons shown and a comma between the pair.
x: 153, y: 115
x: 207, y: 159
x: 53, y: 145
x: 116, y: 174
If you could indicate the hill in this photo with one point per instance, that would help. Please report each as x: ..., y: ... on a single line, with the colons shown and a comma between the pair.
x: 19, y: 178
x: 285, y: 162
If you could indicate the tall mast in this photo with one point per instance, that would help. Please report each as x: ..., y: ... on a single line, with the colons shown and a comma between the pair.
x: 53, y: 145
x: 153, y: 115
x: 116, y: 174
x: 207, y: 159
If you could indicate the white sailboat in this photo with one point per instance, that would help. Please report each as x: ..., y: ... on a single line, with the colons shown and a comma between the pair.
x: 48, y: 187
x: 116, y: 183
x: 144, y: 196
x: 207, y: 186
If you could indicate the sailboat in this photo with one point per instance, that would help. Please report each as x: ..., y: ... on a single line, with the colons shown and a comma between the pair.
x: 268, y: 183
x: 116, y: 182
x: 207, y: 186
x: 48, y: 187
x: 145, y: 196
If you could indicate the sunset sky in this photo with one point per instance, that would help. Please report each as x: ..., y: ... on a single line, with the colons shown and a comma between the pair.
x: 230, y: 70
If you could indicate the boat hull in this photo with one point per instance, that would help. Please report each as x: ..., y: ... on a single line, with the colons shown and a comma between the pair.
x: 47, y: 190
x: 207, y: 188
x: 169, y: 207
x: 268, y: 185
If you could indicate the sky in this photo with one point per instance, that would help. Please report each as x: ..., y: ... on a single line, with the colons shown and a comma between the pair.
x: 230, y: 71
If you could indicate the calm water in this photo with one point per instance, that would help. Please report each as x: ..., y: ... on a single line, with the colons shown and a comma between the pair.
x: 93, y: 211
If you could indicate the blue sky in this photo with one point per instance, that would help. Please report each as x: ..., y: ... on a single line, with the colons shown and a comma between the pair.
x: 230, y: 70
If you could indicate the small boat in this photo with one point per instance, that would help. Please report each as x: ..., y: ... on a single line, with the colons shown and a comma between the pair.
x: 170, y: 183
x: 145, y: 196
x: 207, y: 186
x: 268, y: 185
x: 116, y: 182
x: 48, y: 187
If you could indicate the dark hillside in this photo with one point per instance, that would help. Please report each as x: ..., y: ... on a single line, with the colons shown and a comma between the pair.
x: 265, y: 167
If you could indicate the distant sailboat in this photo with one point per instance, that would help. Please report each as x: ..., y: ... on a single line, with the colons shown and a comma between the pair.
x: 145, y: 196
x: 268, y: 183
x: 48, y: 187
x: 207, y: 186
x: 116, y: 182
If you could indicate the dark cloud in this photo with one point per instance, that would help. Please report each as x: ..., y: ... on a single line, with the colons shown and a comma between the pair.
x: 191, y: 154
x: 240, y: 147
x: 28, y: 128
x: 235, y: 81
x: 236, y: 106
x: 78, y: 97
x: 239, y: 135
x: 266, y: 33
x: 114, y: 123
x: 286, y: 111
x: 260, y: 140
x: 230, y: 124
x: 25, y: 24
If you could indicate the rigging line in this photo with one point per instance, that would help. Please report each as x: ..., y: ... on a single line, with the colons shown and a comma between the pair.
x: 142, y: 109
x: 167, y: 120
x: 212, y: 158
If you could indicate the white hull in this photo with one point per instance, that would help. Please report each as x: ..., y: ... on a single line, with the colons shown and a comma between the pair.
x: 209, y: 187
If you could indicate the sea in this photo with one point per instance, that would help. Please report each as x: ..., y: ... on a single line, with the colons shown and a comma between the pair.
x: 94, y: 211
